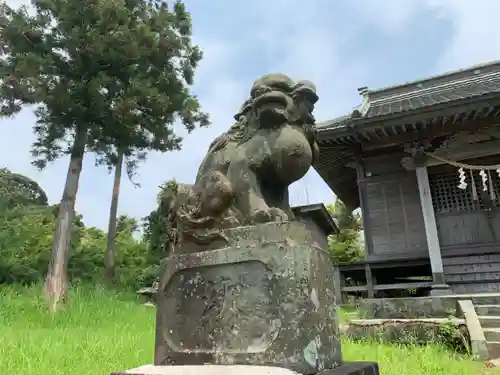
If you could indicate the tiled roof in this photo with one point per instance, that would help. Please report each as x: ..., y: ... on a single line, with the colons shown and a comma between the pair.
x: 463, y: 84
x: 334, y: 123
x: 439, y: 94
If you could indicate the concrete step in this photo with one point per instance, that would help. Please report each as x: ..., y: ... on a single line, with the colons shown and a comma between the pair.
x: 492, y: 334
x: 483, y: 299
x: 491, y: 321
x: 493, y: 348
x: 487, y: 310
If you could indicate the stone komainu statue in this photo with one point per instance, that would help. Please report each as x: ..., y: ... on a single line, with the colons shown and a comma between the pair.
x: 245, y: 175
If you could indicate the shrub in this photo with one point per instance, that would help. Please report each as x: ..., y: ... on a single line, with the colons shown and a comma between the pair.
x: 26, y: 241
x: 346, y: 245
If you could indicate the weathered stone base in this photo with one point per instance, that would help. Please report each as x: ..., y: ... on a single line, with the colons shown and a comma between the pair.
x: 348, y: 368
x: 452, y: 332
x: 266, y: 299
x: 421, y: 307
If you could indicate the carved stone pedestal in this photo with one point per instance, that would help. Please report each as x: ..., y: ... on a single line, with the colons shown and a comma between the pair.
x: 348, y: 368
x: 265, y: 299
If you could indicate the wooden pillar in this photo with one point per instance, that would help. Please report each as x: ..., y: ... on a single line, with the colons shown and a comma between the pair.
x: 365, y: 215
x: 337, y: 284
x: 431, y: 233
x: 369, y: 280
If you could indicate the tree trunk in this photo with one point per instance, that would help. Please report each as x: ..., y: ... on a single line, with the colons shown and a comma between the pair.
x: 56, y: 282
x: 109, y: 259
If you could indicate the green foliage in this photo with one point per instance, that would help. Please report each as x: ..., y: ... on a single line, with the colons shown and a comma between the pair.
x: 133, y: 269
x: 26, y: 231
x: 17, y: 190
x: 25, y: 249
x: 25, y: 241
x: 133, y: 265
x: 127, y: 225
x: 115, y: 70
x: 156, y: 225
x: 346, y: 245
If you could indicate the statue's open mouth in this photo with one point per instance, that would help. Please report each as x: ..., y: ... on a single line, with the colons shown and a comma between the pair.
x: 271, y: 107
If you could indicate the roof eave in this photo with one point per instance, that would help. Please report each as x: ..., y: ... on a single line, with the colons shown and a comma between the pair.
x: 369, y: 123
x: 320, y: 214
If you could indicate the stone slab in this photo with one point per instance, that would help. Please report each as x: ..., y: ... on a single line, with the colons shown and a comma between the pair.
x: 420, y: 307
x: 492, y: 363
x: 206, y: 370
x: 354, y: 368
x: 439, y: 290
x: 492, y: 334
x: 266, y: 299
x: 474, y: 326
x: 409, y: 331
x: 347, y: 368
x: 493, y: 349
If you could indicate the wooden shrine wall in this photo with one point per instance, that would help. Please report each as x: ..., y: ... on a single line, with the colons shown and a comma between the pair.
x: 461, y: 219
x: 392, y: 204
x: 469, y: 230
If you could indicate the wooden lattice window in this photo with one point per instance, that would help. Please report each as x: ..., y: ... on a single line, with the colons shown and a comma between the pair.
x: 447, y: 197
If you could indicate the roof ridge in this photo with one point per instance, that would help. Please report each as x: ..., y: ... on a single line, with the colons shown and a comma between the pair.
x: 429, y: 78
x: 456, y: 83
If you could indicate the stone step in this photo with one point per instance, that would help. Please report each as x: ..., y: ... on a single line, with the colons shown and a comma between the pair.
x: 492, y: 334
x: 493, y: 349
x: 487, y: 310
x: 483, y: 299
x: 491, y: 321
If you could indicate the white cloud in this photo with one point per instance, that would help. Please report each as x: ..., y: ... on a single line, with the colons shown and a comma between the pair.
x: 387, y: 16
x: 476, y: 32
x: 475, y: 27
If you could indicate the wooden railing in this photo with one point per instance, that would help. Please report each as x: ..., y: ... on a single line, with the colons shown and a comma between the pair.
x: 362, y: 272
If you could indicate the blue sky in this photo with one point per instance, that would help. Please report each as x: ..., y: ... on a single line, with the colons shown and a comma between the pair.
x: 340, y: 45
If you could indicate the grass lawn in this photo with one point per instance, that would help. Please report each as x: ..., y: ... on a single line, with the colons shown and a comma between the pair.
x: 346, y: 314
x: 100, y: 332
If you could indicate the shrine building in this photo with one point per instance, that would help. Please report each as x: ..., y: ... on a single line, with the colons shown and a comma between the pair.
x: 422, y: 162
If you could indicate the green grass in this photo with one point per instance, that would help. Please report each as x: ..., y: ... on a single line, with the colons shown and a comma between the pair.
x: 99, y: 332
x: 346, y: 314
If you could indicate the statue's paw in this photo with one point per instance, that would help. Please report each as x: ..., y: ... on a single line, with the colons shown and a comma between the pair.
x: 261, y: 216
x: 230, y: 222
x: 269, y: 215
x: 278, y: 214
